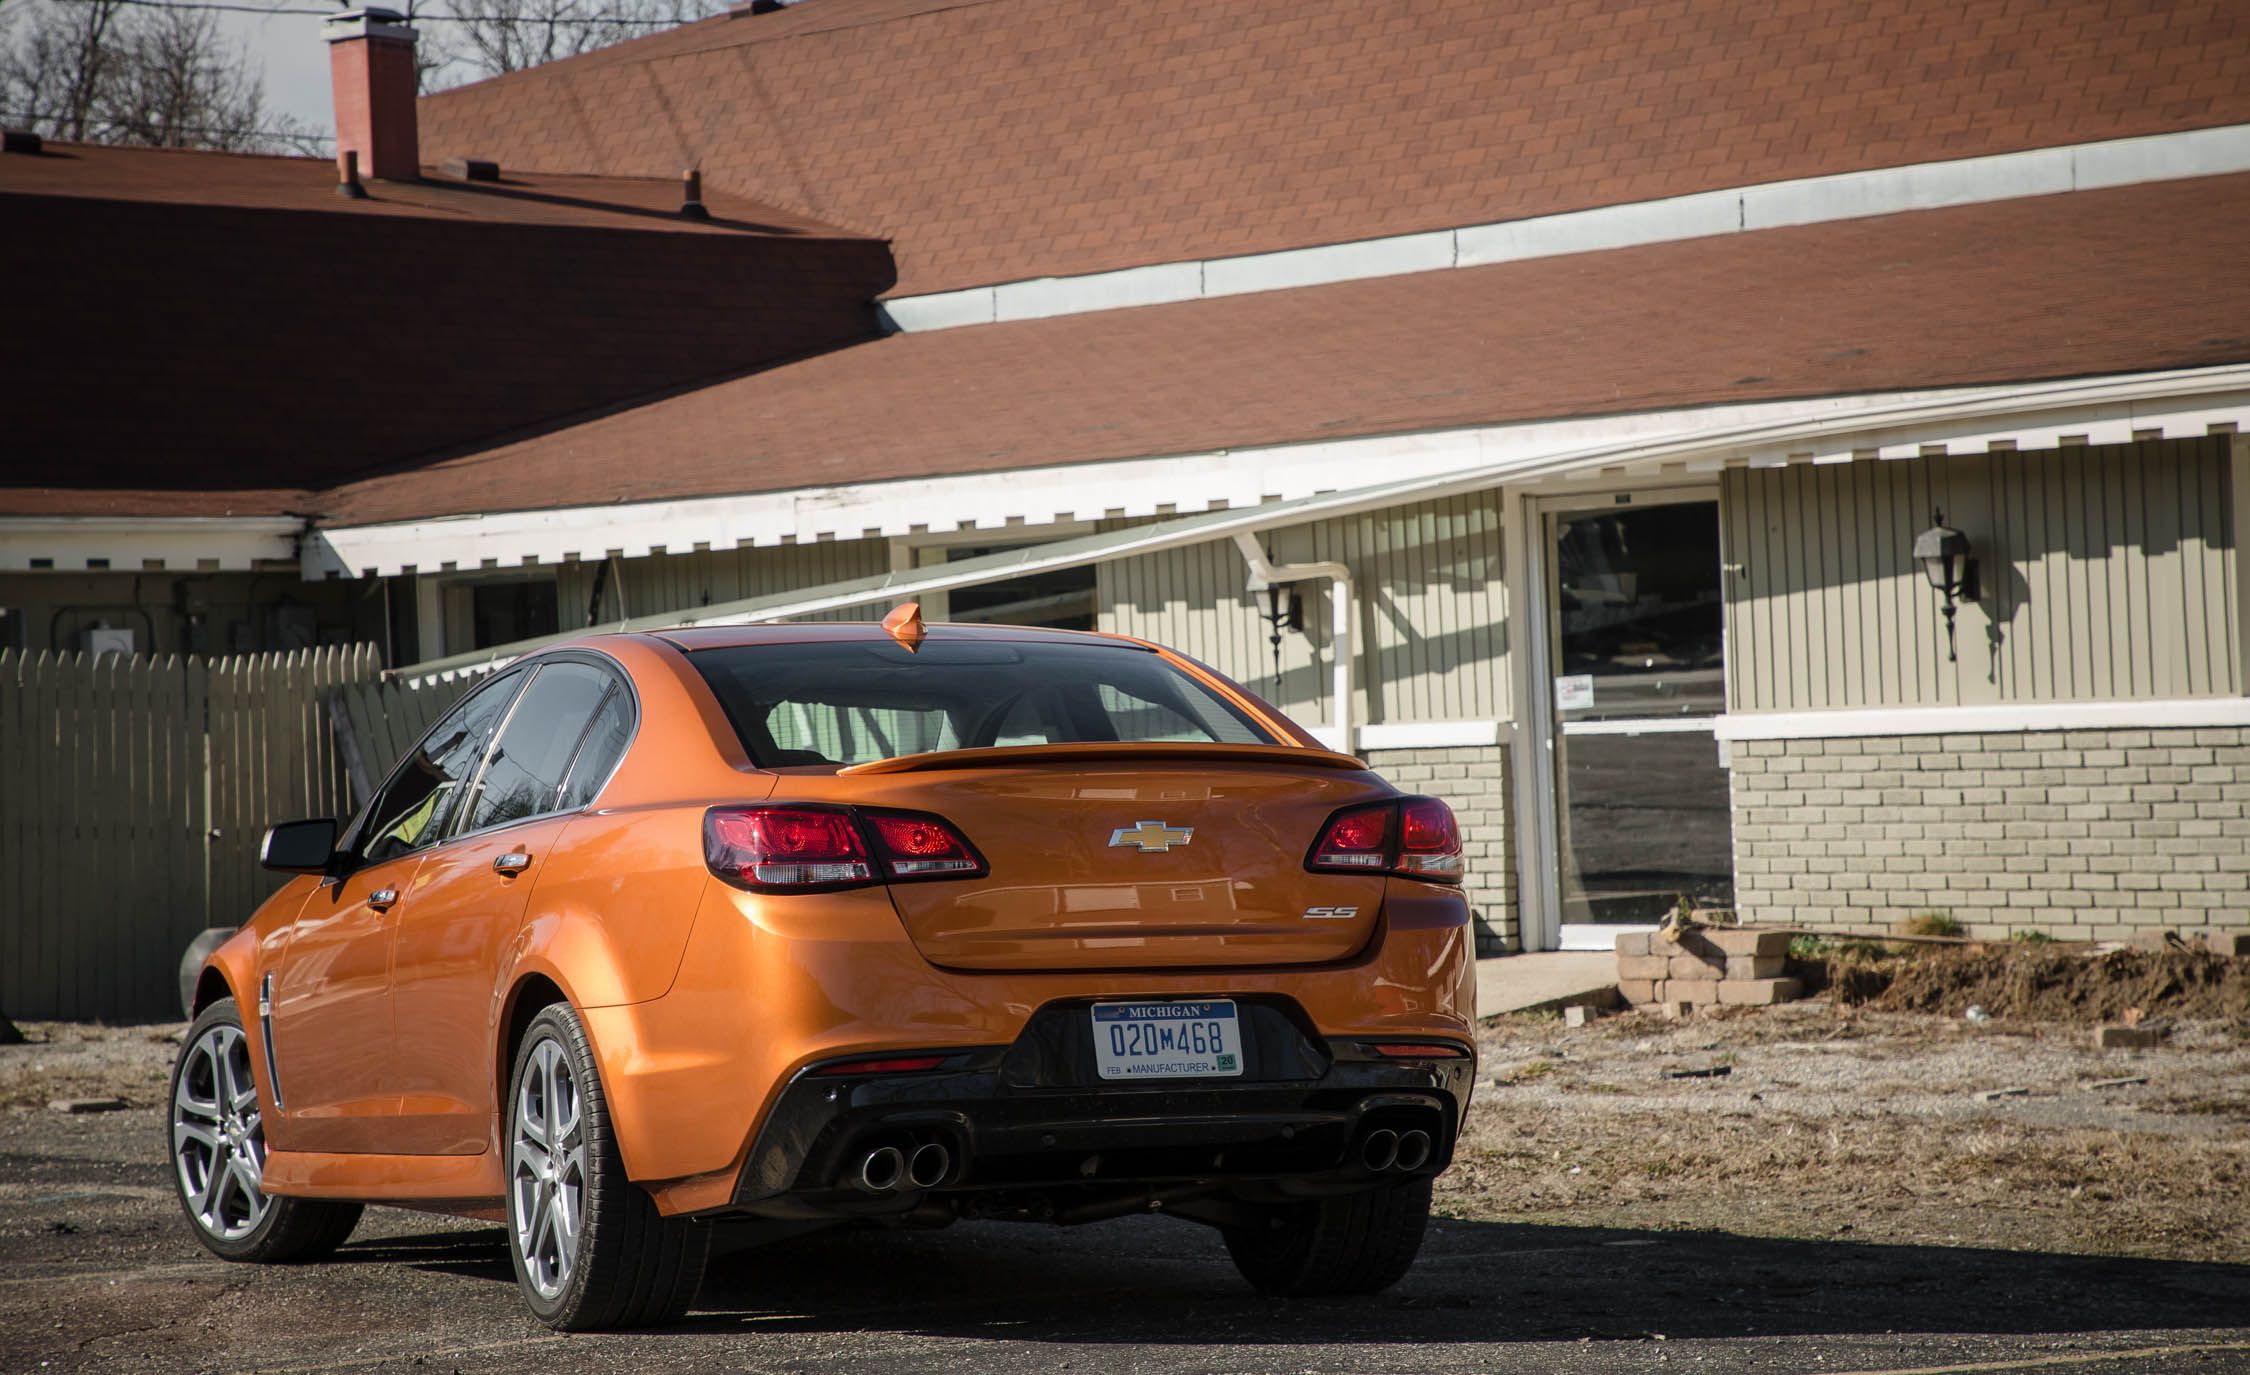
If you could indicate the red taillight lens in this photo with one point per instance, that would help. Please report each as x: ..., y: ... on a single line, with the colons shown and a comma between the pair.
x: 804, y: 847
x: 1413, y: 837
x: 1357, y: 839
x: 785, y: 847
x: 1429, y: 841
x: 915, y: 845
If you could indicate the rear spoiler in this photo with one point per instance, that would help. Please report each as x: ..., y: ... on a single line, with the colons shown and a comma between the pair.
x: 1110, y: 752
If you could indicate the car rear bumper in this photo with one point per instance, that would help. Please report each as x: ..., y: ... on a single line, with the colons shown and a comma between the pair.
x: 1308, y: 1115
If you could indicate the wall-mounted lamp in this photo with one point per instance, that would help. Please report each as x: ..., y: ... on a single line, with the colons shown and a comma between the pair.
x: 1947, y: 561
x: 1285, y: 610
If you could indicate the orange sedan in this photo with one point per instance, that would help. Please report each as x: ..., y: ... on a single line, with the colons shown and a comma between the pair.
x: 802, y: 924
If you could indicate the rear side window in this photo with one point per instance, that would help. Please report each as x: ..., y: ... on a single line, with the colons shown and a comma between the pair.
x: 853, y: 703
x: 525, y: 775
x: 599, y: 752
x: 417, y: 804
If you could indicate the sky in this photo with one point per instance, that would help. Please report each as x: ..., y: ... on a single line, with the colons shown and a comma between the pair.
x: 288, y: 46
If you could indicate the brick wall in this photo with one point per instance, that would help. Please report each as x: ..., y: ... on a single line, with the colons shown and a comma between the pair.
x: 1474, y: 782
x: 2088, y: 834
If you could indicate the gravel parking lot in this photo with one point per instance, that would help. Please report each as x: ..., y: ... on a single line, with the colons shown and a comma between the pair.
x: 1839, y: 1199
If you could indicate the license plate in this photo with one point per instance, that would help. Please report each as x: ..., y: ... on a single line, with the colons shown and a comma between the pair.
x: 1167, y: 1040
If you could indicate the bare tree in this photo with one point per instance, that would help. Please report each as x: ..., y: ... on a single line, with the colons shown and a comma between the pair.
x: 96, y: 71
x: 496, y: 36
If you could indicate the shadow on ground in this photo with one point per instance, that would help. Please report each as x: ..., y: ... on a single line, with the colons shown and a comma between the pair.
x: 1149, y: 1280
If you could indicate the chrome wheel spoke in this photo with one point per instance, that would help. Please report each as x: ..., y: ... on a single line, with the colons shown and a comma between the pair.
x: 218, y: 1135
x: 546, y: 1169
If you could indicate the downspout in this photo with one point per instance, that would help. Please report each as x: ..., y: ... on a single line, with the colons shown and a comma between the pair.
x: 1265, y: 573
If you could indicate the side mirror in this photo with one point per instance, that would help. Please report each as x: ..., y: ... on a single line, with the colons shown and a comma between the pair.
x: 299, y: 847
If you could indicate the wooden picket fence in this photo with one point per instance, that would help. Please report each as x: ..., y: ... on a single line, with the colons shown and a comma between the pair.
x: 134, y: 792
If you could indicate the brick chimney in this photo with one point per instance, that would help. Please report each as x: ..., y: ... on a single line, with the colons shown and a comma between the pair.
x: 371, y: 66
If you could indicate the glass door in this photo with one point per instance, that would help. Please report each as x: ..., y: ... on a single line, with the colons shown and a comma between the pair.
x: 1640, y: 816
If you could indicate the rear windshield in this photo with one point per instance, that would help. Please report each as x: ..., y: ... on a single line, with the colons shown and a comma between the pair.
x: 853, y: 703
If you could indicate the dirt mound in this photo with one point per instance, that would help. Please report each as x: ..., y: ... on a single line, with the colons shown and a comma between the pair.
x: 2052, y: 985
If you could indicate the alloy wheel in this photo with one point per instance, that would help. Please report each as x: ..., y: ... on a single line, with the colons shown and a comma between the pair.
x: 547, y: 1169
x: 219, y: 1135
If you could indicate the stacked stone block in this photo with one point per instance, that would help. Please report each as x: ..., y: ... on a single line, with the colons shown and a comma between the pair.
x: 1474, y: 782
x: 2083, y: 834
x: 1706, y: 968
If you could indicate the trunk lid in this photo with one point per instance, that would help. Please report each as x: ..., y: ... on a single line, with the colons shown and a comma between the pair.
x: 1133, y: 857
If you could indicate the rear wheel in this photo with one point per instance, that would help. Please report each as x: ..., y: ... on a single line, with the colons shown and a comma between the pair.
x: 1355, y: 1244
x: 218, y: 1150
x: 589, y: 1247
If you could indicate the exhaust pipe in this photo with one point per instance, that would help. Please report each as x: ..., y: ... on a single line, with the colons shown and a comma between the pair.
x: 880, y: 1170
x: 1413, y: 1150
x: 928, y: 1166
x: 1380, y: 1150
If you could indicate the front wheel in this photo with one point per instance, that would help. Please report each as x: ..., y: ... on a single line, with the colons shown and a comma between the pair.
x: 589, y: 1247
x: 218, y: 1151
x: 1359, y: 1243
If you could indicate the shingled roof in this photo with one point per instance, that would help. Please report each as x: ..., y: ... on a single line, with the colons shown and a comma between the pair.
x: 220, y: 334
x: 2050, y: 287
x: 997, y: 140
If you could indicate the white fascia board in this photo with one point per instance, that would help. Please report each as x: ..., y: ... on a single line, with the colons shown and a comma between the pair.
x: 2038, y: 403
x: 137, y: 544
x: 1732, y: 210
x: 2003, y: 719
x: 1957, y: 420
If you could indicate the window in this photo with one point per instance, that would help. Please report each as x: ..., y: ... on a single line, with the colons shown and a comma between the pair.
x: 599, y: 752
x: 524, y: 776
x: 502, y: 613
x: 414, y: 806
x: 853, y: 702
x: 1063, y: 600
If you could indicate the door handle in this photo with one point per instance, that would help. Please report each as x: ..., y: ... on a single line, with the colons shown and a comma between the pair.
x: 382, y: 898
x: 511, y: 864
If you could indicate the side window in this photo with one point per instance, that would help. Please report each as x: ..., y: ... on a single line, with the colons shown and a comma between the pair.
x: 599, y: 752
x: 413, y: 807
x: 524, y: 776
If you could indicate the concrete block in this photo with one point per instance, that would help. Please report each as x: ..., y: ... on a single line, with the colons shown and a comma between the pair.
x: 1687, y: 968
x: 1579, y: 1014
x: 1643, y: 967
x: 1676, y: 1011
x: 1753, y: 943
x: 2126, y: 1037
x: 1634, y: 943
x: 1638, y: 991
x: 1756, y: 966
x: 1759, y: 992
x: 2235, y: 943
x: 1703, y: 992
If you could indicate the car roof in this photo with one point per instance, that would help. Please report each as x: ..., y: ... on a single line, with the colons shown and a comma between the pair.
x: 697, y: 638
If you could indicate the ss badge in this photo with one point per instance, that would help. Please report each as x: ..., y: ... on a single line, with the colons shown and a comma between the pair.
x: 1330, y: 913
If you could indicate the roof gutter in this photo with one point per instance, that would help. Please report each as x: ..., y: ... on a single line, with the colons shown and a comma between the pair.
x: 2208, y: 397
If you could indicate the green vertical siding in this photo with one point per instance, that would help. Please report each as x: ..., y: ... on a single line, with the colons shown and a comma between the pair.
x: 1431, y: 612
x: 2108, y: 573
x: 679, y: 582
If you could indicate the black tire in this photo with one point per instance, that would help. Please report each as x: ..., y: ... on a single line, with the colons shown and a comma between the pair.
x: 628, y: 1265
x: 1354, y: 1244
x: 222, y: 1208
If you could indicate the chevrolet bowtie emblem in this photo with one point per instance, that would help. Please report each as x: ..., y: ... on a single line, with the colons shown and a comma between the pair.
x: 1151, y: 837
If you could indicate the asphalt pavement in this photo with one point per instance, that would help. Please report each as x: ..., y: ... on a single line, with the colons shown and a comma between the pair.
x: 98, y: 1273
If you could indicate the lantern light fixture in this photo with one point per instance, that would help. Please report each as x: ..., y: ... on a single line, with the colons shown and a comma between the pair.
x: 1948, y: 561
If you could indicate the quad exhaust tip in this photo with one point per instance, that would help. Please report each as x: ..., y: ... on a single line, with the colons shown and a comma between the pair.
x: 928, y: 1166
x: 880, y: 1170
x: 1380, y: 1150
x: 1413, y: 1150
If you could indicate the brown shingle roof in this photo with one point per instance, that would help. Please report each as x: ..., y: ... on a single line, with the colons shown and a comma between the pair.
x: 246, y: 181
x: 2037, y: 288
x: 1009, y: 139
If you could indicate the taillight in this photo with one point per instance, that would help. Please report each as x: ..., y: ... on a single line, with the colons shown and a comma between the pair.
x: 805, y: 848
x: 897, y: 1064
x: 1418, y: 1050
x: 917, y: 845
x: 1413, y: 837
x: 785, y: 847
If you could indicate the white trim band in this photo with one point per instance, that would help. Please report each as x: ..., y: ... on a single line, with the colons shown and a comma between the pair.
x: 1429, y: 735
x: 2172, y: 713
x: 1646, y: 725
x: 1737, y: 210
x: 140, y: 544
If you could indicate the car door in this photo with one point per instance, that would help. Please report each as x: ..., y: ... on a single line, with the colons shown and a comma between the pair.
x: 331, y: 999
x: 556, y: 747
